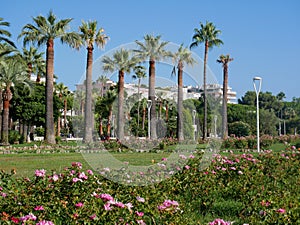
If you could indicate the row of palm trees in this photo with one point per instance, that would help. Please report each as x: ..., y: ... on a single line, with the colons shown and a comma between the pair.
x: 45, y: 30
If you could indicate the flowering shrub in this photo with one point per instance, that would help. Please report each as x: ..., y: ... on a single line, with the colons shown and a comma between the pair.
x: 239, y: 188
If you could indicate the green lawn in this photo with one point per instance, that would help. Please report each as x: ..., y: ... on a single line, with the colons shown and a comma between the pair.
x: 26, y: 164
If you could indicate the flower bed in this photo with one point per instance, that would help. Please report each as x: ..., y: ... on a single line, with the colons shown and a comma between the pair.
x: 244, y: 188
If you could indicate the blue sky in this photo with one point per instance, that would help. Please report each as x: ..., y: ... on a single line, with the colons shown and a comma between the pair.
x: 261, y: 36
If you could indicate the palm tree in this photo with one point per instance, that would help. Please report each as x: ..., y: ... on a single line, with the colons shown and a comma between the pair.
x: 4, y: 34
x: 207, y: 34
x: 224, y: 59
x: 12, y: 73
x: 139, y: 73
x: 102, y: 80
x: 154, y: 50
x: 32, y: 59
x: 90, y: 36
x: 62, y: 92
x: 181, y: 57
x: 122, y: 61
x: 44, y: 31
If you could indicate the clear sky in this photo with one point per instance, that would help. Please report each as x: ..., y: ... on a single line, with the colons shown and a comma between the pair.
x: 261, y: 35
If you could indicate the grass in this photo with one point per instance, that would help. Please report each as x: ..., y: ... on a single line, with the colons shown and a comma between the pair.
x: 26, y: 164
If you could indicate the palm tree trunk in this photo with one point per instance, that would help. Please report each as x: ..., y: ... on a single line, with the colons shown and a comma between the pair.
x: 100, y: 127
x: 138, y: 109
x: 88, y: 129
x: 152, y: 98
x: 109, y: 122
x: 7, y: 95
x: 58, y: 126
x: 205, y: 93
x: 65, y: 112
x: 224, y: 105
x: 50, y: 135
x: 144, y: 118
x: 120, y: 133
x: 179, y: 102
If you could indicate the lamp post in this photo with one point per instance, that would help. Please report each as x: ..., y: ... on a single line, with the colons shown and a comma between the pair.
x: 149, y: 104
x: 194, y: 121
x: 257, y: 90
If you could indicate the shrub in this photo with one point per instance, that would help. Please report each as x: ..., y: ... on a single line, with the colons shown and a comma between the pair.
x: 39, y: 131
x: 241, y: 143
x: 239, y: 129
x: 13, y: 137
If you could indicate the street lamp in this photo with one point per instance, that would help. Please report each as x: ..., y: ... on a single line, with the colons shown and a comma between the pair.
x: 149, y: 104
x: 259, y: 79
x: 195, y: 128
x: 215, y: 118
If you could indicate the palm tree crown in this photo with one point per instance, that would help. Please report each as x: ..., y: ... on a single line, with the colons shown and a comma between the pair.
x: 44, y: 31
x: 4, y: 34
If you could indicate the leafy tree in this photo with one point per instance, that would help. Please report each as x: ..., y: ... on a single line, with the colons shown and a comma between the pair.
x: 239, y: 129
x: 207, y: 34
x: 122, y: 61
x: 90, y: 36
x: 43, y: 32
x: 224, y: 60
x: 181, y: 57
x: 154, y: 50
x: 12, y: 73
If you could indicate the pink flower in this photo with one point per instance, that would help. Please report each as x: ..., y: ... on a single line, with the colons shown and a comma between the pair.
x: 90, y: 172
x: 79, y: 204
x: 28, y: 217
x: 140, y: 199
x: 40, y: 173
x: 141, y: 222
x: 39, y: 208
x: 282, y: 211
x: 129, y: 205
x: 240, y: 172
x: 107, y: 207
x: 55, y: 177
x: 75, y: 179
x: 139, y: 213
x: 15, y: 220
x: 219, y: 222
x: 93, y: 217
x: 77, y: 164
x: 213, y: 172
x: 106, y: 197
x: 82, y: 176
x: 191, y: 156
x: 44, y: 222
x: 187, y: 167
x: 182, y: 156
x: 3, y: 194
x: 119, y: 205
x: 164, y: 159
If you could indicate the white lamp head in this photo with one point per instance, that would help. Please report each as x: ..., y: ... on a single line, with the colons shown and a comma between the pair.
x: 257, y: 78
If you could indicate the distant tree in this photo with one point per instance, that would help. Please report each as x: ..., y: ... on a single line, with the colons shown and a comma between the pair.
x: 122, y: 61
x: 181, y: 57
x: 224, y: 60
x: 154, y: 50
x: 207, y: 34
x: 90, y: 36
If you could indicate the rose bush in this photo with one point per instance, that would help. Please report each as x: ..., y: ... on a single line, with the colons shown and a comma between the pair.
x: 244, y: 188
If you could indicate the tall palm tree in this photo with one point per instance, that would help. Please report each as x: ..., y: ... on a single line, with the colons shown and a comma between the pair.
x: 12, y: 73
x: 43, y: 32
x: 4, y: 34
x: 154, y: 50
x: 122, y: 61
x: 207, y: 34
x: 224, y: 59
x: 181, y: 57
x: 139, y: 73
x: 90, y: 36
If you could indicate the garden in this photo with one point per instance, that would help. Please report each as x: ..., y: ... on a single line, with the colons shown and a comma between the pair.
x: 237, y: 186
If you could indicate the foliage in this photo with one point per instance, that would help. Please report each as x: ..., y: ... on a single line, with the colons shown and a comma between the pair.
x: 13, y: 137
x: 243, y: 188
x: 239, y: 129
